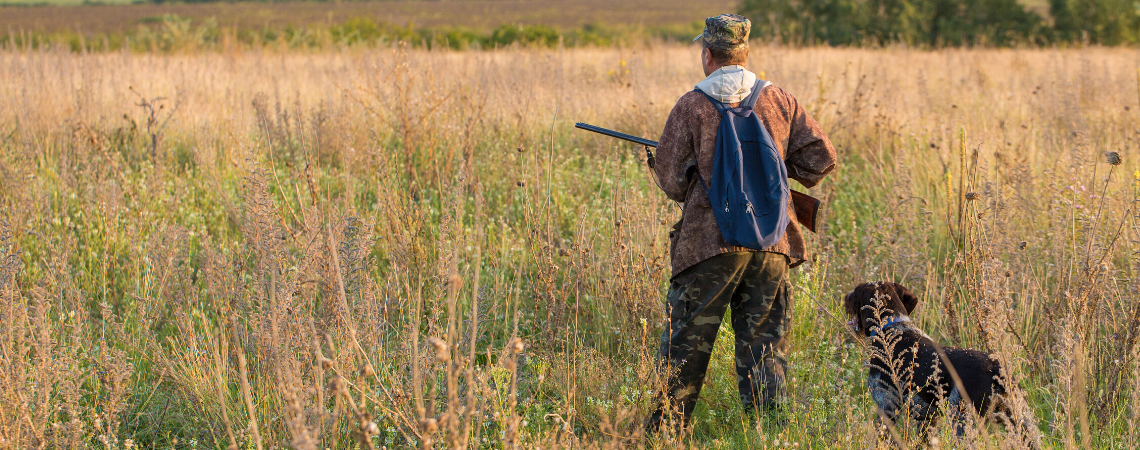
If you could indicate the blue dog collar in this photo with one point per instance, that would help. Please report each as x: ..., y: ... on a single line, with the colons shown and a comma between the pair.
x: 890, y: 323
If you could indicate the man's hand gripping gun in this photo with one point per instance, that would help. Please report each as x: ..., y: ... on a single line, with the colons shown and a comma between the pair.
x: 806, y: 206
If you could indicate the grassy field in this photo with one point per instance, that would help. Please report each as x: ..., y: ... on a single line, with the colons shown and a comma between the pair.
x: 403, y: 248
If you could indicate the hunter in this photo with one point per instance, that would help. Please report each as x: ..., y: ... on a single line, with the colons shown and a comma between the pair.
x: 709, y: 275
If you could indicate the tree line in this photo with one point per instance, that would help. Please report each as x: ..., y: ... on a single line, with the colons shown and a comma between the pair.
x: 943, y: 22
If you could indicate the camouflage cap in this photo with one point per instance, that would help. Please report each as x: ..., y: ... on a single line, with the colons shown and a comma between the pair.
x: 726, y: 31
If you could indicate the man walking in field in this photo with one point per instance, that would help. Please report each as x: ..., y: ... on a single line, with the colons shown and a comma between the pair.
x: 710, y: 275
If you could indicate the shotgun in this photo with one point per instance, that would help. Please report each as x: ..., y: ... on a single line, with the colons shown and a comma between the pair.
x: 805, y: 206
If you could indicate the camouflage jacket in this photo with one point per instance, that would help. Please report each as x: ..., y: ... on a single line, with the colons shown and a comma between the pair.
x: 688, y: 144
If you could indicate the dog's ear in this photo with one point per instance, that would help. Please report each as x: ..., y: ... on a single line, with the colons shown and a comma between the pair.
x: 859, y: 306
x: 909, y: 300
x: 849, y: 304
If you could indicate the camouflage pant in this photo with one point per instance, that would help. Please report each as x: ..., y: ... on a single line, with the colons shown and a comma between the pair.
x: 755, y: 285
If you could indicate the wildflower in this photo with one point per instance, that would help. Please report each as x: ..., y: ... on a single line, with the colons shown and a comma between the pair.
x: 1113, y: 158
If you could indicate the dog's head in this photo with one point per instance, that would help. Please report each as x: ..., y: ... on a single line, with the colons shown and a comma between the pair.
x: 894, y: 299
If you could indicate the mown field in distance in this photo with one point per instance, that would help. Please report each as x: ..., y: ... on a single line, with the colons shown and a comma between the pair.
x: 479, y: 15
x: 55, y: 3
x: 404, y: 248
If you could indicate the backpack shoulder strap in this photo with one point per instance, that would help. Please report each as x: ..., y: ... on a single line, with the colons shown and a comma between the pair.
x: 750, y: 102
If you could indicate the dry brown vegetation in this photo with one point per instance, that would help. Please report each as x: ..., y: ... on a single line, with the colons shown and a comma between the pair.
x: 399, y: 248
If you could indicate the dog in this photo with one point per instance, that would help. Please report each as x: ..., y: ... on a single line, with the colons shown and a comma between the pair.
x: 909, y: 371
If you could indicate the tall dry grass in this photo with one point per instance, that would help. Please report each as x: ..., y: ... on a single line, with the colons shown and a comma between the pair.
x: 396, y: 248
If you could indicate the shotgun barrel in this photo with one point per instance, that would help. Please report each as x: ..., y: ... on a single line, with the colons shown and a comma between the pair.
x: 616, y: 134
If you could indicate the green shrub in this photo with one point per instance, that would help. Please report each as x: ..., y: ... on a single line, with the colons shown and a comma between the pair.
x: 525, y: 34
x: 355, y: 30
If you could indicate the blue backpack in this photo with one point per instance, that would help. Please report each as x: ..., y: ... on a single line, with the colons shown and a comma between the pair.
x: 749, y: 189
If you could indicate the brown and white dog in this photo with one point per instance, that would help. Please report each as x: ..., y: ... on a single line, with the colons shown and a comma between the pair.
x: 907, y: 373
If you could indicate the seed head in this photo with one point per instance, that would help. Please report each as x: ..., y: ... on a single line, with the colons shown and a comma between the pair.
x: 972, y: 196
x: 370, y: 429
x: 367, y: 370
x: 429, y: 425
x: 521, y: 149
x: 1113, y: 158
x: 325, y: 363
x: 338, y: 386
x: 516, y: 345
x: 1022, y: 245
x: 440, y: 348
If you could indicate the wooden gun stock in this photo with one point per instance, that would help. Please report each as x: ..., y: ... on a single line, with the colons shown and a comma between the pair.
x: 807, y: 209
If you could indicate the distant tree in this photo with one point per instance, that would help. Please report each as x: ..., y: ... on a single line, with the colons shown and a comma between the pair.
x: 1107, y: 22
x: 906, y: 21
x: 930, y: 22
x: 989, y: 22
x: 780, y: 20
